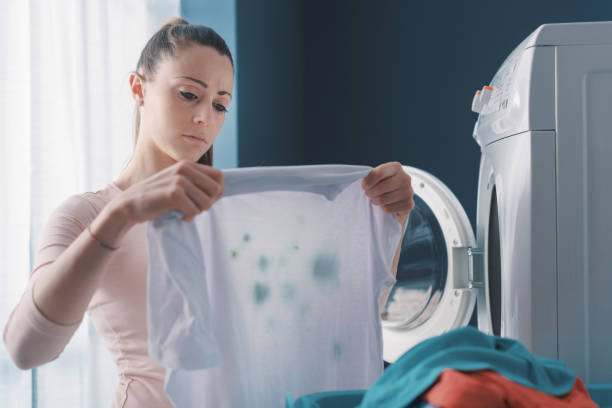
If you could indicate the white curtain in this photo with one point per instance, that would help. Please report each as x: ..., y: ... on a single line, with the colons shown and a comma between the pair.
x: 66, y: 127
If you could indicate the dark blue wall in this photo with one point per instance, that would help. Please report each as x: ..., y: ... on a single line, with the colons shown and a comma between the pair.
x: 365, y: 82
x: 271, y: 68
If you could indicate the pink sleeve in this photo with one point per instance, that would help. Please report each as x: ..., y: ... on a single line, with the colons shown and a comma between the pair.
x: 29, y: 337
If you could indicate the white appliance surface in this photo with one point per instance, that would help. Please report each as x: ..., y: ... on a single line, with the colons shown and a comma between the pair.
x: 540, y: 265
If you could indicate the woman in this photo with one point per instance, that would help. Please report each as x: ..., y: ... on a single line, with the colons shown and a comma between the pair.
x: 92, y: 254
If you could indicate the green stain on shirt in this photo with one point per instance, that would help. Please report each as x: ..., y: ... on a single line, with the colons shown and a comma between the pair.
x: 288, y: 291
x: 326, y: 268
x: 260, y: 292
x: 263, y: 263
x: 234, y: 253
x: 337, y: 350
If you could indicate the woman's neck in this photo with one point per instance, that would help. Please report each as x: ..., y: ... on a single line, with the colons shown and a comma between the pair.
x: 146, y: 161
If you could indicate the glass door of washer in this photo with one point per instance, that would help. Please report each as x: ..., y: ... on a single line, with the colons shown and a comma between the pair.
x: 431, y: 295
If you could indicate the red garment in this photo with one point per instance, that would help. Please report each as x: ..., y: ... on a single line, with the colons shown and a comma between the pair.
x: 488, y: 389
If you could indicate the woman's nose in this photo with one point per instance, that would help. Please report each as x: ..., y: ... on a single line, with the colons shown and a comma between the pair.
x: 203, y: 116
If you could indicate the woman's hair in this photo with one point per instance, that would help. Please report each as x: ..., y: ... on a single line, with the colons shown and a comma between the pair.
x: 175, y: 34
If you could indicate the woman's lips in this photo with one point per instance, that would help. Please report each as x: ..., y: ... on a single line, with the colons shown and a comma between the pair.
x: 195, y: 139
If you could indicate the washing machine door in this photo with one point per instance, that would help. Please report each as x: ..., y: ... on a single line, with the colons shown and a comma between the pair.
x: 434, y: 292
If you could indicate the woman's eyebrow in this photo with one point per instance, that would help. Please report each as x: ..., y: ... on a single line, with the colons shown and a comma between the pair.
x: 204, y: 85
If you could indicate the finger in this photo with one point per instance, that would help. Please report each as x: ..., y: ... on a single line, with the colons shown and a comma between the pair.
x: 180, y: 201
x: 221, y: 182
x: 188, y: 198
x: 215, y: 174
x: 205, y: 178
x: 401, y: 207
x: 391, y: 197
x: 387, y: 185
x: 217, y: 178
x: 380, y: 173
x: 201, y: 199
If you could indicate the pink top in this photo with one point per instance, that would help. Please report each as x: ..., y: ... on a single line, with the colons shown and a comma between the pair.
x: 117, y: 308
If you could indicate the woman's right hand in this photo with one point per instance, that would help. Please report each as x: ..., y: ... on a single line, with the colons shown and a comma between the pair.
x: 185, y: 186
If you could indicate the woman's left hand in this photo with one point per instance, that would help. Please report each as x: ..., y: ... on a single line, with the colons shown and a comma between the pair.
x: 389, y: 186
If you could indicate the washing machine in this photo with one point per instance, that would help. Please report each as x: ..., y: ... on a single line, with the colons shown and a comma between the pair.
x: 538, y: 266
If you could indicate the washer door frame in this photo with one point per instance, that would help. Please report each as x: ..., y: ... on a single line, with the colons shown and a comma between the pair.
x: 487, y: 186
x: 458, y: 300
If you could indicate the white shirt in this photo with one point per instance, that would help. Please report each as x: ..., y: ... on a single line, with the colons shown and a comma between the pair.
x: 274, y: 289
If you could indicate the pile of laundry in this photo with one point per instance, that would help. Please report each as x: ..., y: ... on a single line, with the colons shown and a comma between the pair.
x: 464, y: 368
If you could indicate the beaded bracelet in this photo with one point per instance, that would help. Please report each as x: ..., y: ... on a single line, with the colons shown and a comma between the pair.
x: 102, y: 244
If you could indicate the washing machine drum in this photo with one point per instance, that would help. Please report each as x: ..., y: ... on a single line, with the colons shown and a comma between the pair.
x: 432, y: 294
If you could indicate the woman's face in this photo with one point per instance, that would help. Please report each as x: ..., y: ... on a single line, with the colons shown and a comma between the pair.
x: 184, y: 106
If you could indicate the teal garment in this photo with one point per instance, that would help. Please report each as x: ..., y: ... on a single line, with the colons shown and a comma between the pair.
x: 339, y: 399
x: 328, y: 399
x: 465, y: 349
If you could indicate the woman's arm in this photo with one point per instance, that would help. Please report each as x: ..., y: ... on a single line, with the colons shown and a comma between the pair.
x: 403, y: 220
x: 64, y: 291
x: 56, y: 298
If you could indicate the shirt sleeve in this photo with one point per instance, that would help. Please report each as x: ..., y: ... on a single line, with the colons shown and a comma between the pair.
x: 178, y: 309
x: 30, y: 338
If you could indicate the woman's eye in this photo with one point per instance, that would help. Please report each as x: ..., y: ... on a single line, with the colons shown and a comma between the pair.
x: 188, y: 96
x: 220, y: 107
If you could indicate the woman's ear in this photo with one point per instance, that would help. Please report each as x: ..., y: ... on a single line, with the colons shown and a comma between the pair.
x: 136, y: 87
